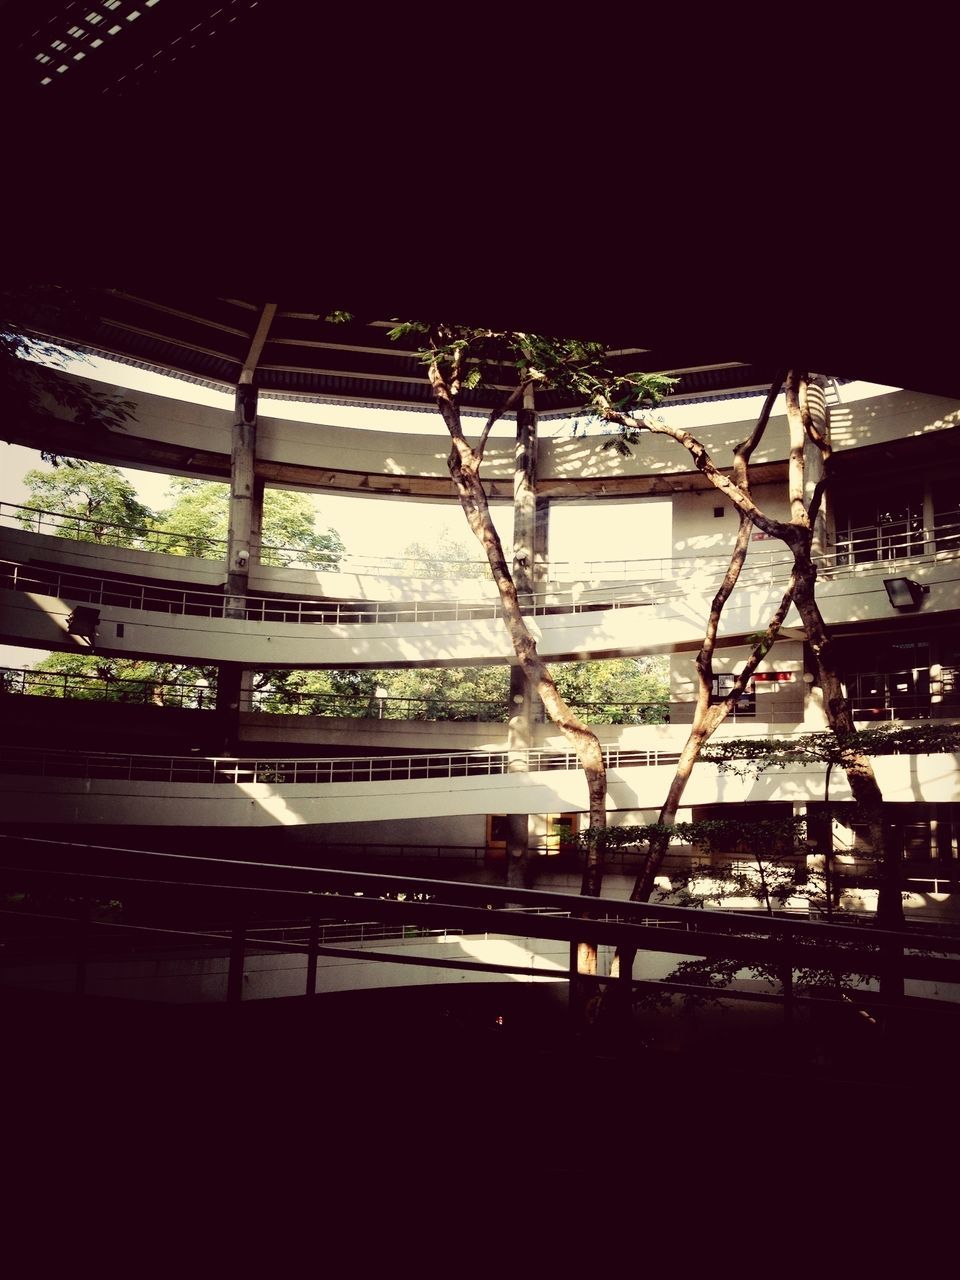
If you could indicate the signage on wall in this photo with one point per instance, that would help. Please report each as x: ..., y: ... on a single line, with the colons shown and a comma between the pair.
x: 774, y: 677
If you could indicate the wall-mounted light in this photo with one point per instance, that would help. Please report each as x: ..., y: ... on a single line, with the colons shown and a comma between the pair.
x: 904, y: 593
x: 242, y: 558
x: 84, y: 622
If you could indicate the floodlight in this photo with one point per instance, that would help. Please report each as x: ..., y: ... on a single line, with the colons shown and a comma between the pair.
x: 84, y: 622
x: 904, y: 593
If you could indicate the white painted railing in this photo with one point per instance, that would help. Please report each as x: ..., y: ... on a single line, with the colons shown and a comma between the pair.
x: 90, y: 765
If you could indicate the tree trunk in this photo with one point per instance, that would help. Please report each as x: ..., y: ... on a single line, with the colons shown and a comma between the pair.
x: 797, y: 535
x: 463, y: 464
x: 857, y: 766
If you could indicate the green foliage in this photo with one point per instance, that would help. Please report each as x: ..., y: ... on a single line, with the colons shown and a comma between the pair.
x: 462, y: 693
x: 480, y: 357
x: 102, y: 501
x: 748, y: 757
x: 423, y: 693
x: 452, y: 693
x: 599, y: 688
x: 446, y: 558
x: 134, y: 680
x: 97, y: 503
x: 199, y: 518
x: 767, y: 837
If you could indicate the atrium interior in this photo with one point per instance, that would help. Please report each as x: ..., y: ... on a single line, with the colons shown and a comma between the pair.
x: 449, y: 835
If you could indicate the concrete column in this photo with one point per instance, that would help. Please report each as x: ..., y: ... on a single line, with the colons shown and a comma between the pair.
x: 256, y: 522
x: 813, y: 464
x: 234, y: 682
x: 242, y: 500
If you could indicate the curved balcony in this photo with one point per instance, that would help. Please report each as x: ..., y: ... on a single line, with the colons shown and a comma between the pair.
x: 176, y: 435
x: 153, y: 619
x: 63, y: 787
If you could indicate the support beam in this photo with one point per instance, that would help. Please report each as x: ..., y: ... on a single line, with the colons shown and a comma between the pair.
x: 243, y: 492
x: 243, y: 551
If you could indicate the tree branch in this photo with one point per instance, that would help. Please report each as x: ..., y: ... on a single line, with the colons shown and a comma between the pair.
x: 743, y: 452
x: 509, y: 402
x: 704, y: 463
x: 795, y: 387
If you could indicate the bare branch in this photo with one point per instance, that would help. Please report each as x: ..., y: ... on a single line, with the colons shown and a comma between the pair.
x: 739, y: 554
x: 704, y: 463
x: 766, y: 642
x: 743, y: 452
x: 509, y: 402
x: 795, y: 383
x: 818, y: 492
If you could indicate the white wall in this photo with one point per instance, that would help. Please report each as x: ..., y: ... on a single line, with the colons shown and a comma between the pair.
x: 112, y: 801
x: 868, y: 419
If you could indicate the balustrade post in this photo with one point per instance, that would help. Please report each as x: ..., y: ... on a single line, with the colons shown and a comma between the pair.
x: 786, y: 980
x: 83, y: 939
x: 238, y: 938
x: 312, y: 943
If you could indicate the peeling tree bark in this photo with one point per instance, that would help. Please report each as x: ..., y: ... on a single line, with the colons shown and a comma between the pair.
x: 797, y: 535
x: 464, y: 462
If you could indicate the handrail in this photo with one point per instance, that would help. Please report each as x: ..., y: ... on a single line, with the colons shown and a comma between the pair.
x: 80, y: 528
x: 39, y: 520
x: 871, y: 544
x: 200, y: 696
x: 750, y: 938
x: 74, y: 685
x: 86, y: 588
x: 89, y: 765
x: 861, y: 545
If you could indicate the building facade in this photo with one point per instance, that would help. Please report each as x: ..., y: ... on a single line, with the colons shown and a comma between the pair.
x: 210, y: 769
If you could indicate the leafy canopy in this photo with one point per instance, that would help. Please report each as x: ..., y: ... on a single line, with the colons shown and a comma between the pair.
x: 748, y: 757
x: 471, y: 357
x: 99, y: 498
x: 199, y: 519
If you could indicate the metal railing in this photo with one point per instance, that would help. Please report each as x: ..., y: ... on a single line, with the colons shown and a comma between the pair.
x: 309, y: 895
x: 866, y: 544
x: 145, y: 538
x: 89, y: 765
x: 199, y: 695
x: 897, y: 540
x: 84, y: 588
x: 75, y: 686
x: 87, y: 529
x: 914, y: 694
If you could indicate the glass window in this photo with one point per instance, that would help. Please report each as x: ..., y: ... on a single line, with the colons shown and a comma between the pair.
x: 747, y: 703
x: 883, y: 525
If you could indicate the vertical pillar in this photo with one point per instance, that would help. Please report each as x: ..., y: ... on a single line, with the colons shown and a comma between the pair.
x: 234, y: 682
x: 522, y: 697
x: 312, y: 944
x: 238, y: 941
x: 242, y: 494
x: 813, y: 463
x: 83, y: 942
x: 929, y: 519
